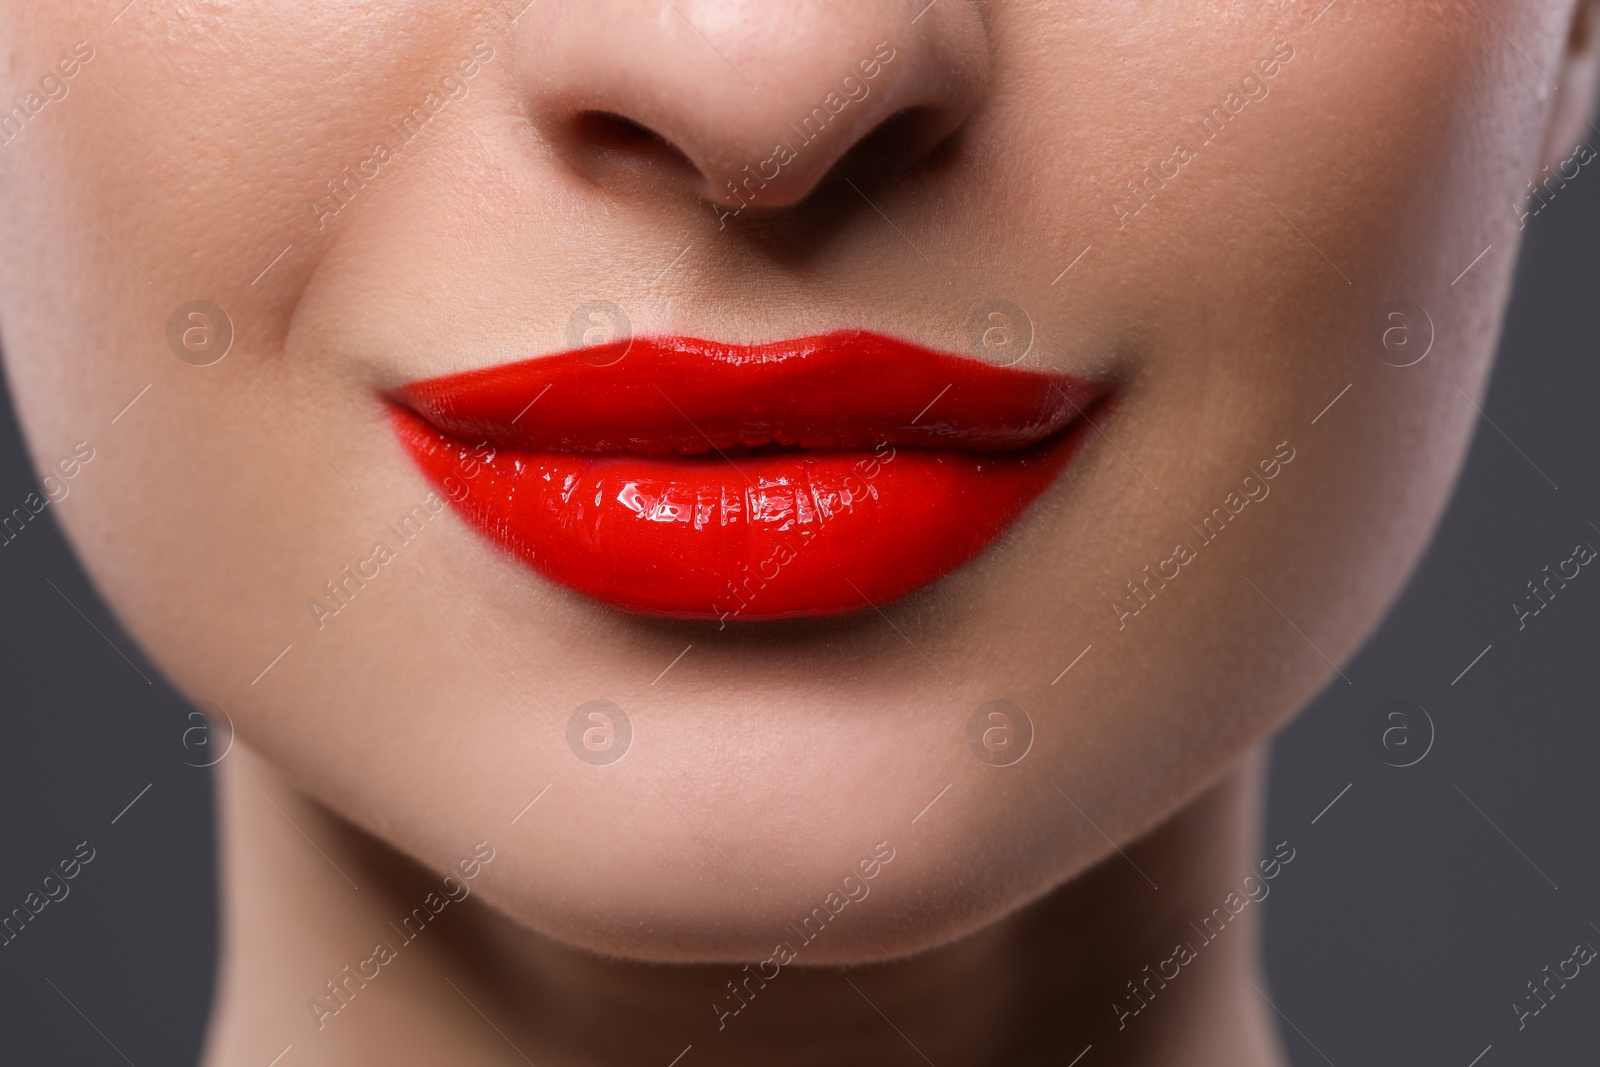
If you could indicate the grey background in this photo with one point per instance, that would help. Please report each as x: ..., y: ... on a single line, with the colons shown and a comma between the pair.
x: 1401, y: 934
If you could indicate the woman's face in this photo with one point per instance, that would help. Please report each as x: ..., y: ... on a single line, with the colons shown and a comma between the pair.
x: 1278, y: 236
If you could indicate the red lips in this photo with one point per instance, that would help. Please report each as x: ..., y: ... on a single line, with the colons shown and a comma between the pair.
x: 702, y: 480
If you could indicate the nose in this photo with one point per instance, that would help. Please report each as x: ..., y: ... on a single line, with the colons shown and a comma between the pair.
x: 750, y: 103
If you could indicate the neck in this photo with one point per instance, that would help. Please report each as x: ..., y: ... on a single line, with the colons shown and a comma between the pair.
x: 1107, y: 960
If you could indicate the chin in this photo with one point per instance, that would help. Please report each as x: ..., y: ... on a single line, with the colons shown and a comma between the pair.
x: 826, y: 915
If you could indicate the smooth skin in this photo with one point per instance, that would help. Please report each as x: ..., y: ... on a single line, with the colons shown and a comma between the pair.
x: 560, y: 153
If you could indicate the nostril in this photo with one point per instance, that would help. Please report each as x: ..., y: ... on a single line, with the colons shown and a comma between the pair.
x: 605, y: 136
x: 902, y: 140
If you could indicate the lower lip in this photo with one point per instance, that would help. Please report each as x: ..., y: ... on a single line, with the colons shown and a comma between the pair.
x: 747, y: 539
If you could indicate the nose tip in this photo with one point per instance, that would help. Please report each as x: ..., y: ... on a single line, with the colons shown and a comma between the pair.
x: 750, y: 104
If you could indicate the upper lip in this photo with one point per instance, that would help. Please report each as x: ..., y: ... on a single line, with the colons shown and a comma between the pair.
x: 665, y: 396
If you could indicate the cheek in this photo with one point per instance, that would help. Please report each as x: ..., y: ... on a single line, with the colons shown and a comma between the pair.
x: 1374, y: 170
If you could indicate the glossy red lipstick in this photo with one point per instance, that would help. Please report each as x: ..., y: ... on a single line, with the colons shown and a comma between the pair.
x: 703, y: 480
